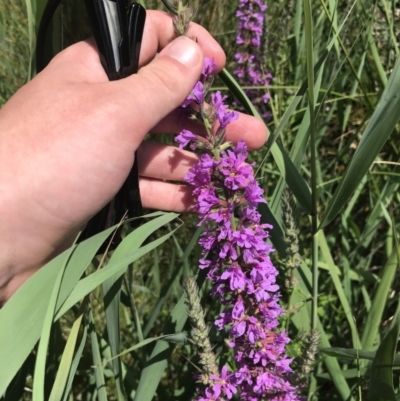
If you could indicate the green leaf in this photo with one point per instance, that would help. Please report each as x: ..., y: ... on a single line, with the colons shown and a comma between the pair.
x: 381, y: 377
x: 151, y: 374
x: 347, y: 374
x: 168, y: 286
x: 351, y: 353
x: 26, y: 310
x: 288, y: 170
x: 97, y: 365
x: 326, y: 253
x: 66, y: 362
x: 374, y: 317
x: 276, y: 234
x: 175, y: 338
x: 31, y: 13
x: 382, y: 123
x: 302, y: 321
x: 89, y: 283
x: 41, y: 357
x: 23, y: 315
x: 112, y: 290
x: 76, y: 360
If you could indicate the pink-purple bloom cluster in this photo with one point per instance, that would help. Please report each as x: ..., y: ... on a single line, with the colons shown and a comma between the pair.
x: 236, y: 257
x: 250, y: 69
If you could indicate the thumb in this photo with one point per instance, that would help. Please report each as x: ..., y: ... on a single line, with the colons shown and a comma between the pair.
x: 161, y: 86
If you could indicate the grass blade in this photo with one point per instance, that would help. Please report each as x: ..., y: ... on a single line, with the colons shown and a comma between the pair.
x: 288, y: 170
x: 371, y: 327
x: 302, y: 321
x: 176, y: 338
x: 77, y: 358
x: 381, y: 377
x: 277, y: 236
x: 168, y: 287
x: 31, y: 12
x: 351, y: 353
x: 308, y: 23
x: 158, y: 361
x: 88, y: 284
x: 112, y: 290
x: 97, y: 363
x: 41, y: 357
x: 382, y: 123
x: 30, y: 303
x: 339, y: 288
x: 66, y: 362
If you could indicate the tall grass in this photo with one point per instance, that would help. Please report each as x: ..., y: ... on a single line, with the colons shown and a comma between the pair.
x: 334, y: 143
x: 14, y: 48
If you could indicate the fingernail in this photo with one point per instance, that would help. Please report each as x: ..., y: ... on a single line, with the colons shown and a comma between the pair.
x: 185, y: 50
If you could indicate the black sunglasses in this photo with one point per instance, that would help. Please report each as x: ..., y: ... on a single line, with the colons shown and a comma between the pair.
x: 118, y: 30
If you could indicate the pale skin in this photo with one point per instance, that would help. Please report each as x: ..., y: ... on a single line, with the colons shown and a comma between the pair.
x: 68, y: 138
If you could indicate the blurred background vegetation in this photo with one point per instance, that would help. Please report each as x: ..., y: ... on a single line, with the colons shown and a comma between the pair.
x: 358, y: 288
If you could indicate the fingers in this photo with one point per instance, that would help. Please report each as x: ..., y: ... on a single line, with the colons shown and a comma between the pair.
x: 144, y: 99
x: 164, y: 162
x: 166, y: 196
x: 252, y: 130
x: 159, y: 162
x: 159, y: 32
x: 81, y: 61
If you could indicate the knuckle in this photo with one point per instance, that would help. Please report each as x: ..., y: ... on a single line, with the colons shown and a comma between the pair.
x: 165, y: 80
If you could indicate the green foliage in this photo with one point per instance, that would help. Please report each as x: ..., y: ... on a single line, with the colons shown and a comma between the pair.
x: 14, y: 48
x: 382, y: 122
x: 381, y: 387
x: 335, y: 108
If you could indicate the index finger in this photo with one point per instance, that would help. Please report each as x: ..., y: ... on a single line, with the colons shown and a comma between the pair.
x: 159, y: 31
x: 81, y: 61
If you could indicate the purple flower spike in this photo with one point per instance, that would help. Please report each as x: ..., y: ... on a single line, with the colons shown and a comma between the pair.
x: 235, y: 253
x: 250, y: 69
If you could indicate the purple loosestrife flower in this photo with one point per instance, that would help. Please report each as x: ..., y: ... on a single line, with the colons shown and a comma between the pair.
x: 223, y: 384
x: 184, y: 138
x: 224, y: 117
x: 238, y: 174
x: 250, y: 69
x: 236, y: 256
x: 196, y: 96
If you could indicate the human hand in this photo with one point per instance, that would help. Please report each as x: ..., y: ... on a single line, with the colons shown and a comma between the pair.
x: 69, y: 136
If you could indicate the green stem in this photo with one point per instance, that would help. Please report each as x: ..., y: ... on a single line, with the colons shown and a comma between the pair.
x: 308, y: 22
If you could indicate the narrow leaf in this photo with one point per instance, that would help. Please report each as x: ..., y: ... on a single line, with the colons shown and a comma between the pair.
x: 88, y: 284
x: 381, y: 377
x: 382, y: 123
x: 151, y: 374
x: 371, y: 327
x: 288, y: 170
x: 97, y: 365
x: 112, y: 290
x: 66, y: 362
x: 353, y: 354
